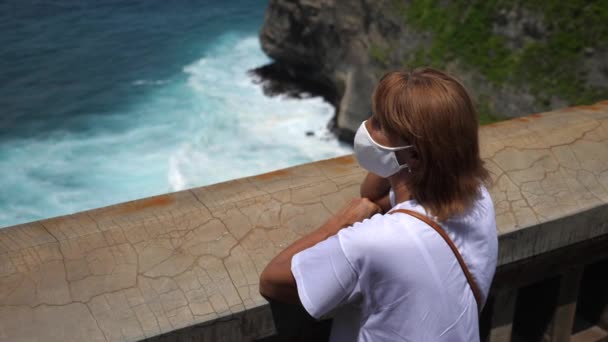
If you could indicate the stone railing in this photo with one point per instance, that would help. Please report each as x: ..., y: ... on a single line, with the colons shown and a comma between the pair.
x: 186, y: 264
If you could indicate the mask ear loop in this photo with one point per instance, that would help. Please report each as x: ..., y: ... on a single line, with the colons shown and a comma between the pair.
x: 386, y: 148
x: 404, y: 165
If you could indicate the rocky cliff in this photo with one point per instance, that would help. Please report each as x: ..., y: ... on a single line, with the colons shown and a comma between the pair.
x: 516, y: 57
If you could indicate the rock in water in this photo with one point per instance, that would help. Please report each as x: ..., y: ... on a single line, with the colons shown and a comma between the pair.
x: 326, y: 42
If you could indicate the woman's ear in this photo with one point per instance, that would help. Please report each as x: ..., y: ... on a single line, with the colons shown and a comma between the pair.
x: 402, y: 158
x: 414, y: 155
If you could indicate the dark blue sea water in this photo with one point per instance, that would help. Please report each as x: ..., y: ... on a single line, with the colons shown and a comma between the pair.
x: 106, y: 101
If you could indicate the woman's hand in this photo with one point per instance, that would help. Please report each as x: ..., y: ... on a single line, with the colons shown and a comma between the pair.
x: 277, y: 281
x: 374, y: 187
x: 357, y: 210
x: 384, y: 203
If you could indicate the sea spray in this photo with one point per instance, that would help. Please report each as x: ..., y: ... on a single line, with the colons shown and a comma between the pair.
x: 206, y: 124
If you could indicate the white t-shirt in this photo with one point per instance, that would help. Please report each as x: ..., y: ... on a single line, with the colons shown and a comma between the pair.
x: 394, y: 278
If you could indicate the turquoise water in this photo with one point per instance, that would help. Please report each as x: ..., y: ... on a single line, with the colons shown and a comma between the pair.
x: 107, y: 101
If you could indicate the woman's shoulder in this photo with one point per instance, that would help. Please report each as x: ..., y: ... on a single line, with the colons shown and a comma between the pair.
x: 364, y: 239
x: 361, y: 232
x: 374, y: 227
x: 481, y: 213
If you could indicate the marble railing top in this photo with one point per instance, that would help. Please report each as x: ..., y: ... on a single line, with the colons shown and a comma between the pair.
x: 147, y: 267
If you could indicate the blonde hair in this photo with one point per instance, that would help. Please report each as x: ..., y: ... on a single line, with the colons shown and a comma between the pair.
x: 433, y: 111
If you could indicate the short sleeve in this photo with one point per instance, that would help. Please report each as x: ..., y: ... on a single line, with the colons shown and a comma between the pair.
x: 324, y: 277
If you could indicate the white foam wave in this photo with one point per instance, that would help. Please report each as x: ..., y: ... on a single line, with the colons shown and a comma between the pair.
x: 245, y: 132
x: 149, y: 82
x: 209, y: 124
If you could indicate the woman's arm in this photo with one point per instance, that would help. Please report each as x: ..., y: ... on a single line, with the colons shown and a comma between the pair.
x: 374, y: 187
x: 277, y: 281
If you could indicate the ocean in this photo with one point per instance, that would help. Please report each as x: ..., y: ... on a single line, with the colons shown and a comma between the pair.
x: 105, y: 101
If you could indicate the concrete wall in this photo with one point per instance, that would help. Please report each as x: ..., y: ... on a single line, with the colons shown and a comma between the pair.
x: 190, y: 260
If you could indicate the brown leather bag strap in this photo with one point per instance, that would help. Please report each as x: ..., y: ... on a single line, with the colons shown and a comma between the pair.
x: 447, y: 239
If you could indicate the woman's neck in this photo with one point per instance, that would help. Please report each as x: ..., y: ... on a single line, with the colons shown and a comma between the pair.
x: 399, y: 186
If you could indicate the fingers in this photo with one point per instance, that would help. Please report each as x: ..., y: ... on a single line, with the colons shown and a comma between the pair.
x: 358, y: 210
x: 368, y: 207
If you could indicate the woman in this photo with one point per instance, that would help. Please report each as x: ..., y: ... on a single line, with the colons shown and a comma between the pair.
x: 385, y: 275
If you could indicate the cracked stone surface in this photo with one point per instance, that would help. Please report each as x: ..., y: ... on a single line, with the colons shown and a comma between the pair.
x: 192, y: 258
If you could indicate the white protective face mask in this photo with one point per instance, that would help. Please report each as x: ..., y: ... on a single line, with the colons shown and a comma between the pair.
x: 374, y: 157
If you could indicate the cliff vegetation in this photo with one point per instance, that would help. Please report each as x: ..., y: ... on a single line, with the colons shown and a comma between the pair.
x: 544, y: 46
x: 517, y: 57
